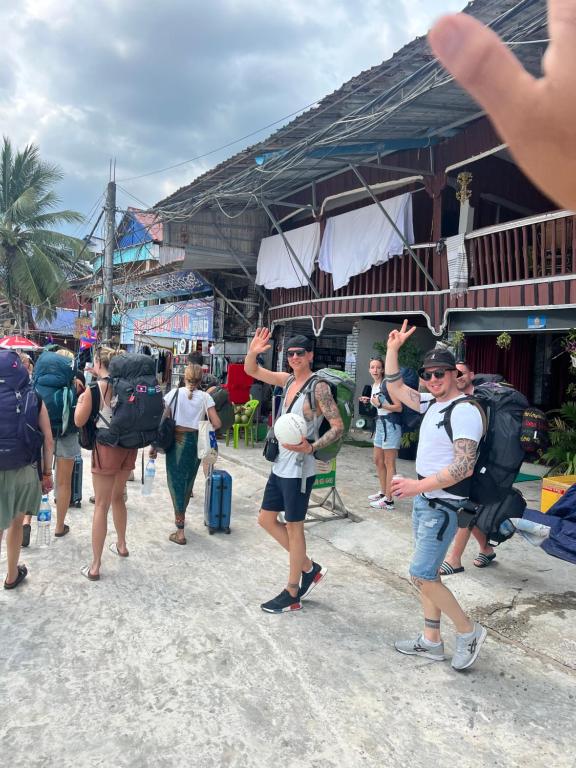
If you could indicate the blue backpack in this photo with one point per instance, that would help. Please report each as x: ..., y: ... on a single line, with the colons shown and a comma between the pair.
x: 53, y: 379
x: 20, y: 438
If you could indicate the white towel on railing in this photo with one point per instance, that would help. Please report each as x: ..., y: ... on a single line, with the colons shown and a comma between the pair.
x: 457, y: 264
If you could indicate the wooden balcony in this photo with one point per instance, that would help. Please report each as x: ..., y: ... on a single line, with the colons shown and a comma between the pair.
x: 526, y: 249
x: 524, y: 263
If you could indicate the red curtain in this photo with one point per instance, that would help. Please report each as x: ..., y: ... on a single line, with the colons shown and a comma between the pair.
x: 516, y: 364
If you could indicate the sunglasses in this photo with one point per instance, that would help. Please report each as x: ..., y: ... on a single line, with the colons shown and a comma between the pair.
x: 296, y: 353
x: 438, y: 374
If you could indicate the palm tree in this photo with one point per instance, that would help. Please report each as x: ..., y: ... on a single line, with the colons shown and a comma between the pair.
x: 35, y: 261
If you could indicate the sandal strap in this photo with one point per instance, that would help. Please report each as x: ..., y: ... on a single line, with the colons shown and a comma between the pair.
x: 484, y: 559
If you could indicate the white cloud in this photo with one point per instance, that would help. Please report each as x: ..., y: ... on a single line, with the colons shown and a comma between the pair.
x: 154, y: 84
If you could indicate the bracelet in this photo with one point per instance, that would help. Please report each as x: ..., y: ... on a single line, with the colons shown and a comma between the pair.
x: 393, y: 376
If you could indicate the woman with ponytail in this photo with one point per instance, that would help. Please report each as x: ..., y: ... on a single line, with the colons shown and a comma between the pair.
x: 188, y: 405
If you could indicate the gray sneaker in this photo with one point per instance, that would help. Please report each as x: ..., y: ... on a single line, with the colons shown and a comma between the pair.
x: 468, y: 647
x: 421, y: 647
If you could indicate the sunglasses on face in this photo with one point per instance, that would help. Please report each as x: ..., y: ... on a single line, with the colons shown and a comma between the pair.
x: 438, y: 374
x: 296, y: 353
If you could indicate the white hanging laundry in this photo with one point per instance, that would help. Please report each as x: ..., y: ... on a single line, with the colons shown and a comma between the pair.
x: 276, y: 267
x: 457, y: 264
x: 354, y: 242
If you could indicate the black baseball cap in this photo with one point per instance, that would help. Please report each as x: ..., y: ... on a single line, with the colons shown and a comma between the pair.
x: 300, y: 342
x: 439, y: 358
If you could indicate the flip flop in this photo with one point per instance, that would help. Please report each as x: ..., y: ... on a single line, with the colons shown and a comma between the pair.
x: 64, y: 532
x: 448, y: 570
x: 174, y: 537
x: 22, y: 573
x: 484, y: 560
x: 114, y: 548
x: 85, y: 571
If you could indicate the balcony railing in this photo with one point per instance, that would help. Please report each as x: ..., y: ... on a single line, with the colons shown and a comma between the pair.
x: 526, y: 249
x: 398, y: 275
x: 522, y: 250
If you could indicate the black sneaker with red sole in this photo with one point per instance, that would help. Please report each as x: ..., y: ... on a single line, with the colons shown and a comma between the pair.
x: 282, y: 603
x: 311, y: 580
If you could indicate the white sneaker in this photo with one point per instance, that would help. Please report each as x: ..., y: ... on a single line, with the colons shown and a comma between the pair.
x: 421, y: 647
x: 383, y: 503
x: 376, y: 496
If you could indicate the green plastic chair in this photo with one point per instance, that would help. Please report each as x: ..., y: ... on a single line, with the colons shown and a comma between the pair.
x: 249, y: 427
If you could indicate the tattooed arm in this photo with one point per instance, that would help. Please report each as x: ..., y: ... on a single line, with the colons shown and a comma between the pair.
x: 328, y: 408
x: 462, y: 466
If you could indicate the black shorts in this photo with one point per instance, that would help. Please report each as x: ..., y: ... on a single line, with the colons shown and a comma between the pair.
x: 284, y: 494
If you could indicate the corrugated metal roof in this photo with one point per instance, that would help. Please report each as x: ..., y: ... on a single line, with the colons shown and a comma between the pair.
x: 410, y: 96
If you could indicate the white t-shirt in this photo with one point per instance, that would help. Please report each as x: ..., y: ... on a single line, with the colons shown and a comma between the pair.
x: 189, y: 412
x: 435, y: 449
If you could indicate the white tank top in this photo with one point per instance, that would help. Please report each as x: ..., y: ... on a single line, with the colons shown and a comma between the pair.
x: 290, y: 463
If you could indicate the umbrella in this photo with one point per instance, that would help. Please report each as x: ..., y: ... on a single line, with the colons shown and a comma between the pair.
x: 18, y: 342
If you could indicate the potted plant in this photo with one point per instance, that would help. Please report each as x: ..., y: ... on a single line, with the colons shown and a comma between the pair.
x: 561, y: 455
x: 457, y: 341
x: 504, y: 340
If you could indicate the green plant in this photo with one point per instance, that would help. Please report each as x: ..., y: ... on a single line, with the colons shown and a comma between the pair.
x: 561, y: 455
x: 409, y: 438
x: 504, y: 340
x: 35, y: 261
x: 569, y: 341
x: 410, y: 355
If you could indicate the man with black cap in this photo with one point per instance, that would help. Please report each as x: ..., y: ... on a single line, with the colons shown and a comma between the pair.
x: 443, y: 465
x: 293, y: 471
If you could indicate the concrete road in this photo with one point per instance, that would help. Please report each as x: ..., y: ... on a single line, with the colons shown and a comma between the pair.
x: 168, y: 661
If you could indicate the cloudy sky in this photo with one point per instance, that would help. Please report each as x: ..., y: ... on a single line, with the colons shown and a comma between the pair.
x: 155, y: 84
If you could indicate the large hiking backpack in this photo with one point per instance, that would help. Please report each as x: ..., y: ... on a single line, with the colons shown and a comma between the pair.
x: 137, y: 402
x: 20, y: 437
x: 224, y: 407
x: 500, y: 453
x: 342, y: 387
x: 53, y: 379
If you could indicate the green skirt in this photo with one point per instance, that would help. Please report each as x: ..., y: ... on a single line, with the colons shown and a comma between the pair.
x: 20, y: 492
x: 182, y: 464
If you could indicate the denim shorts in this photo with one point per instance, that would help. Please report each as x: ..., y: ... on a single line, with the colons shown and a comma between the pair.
x: 429, y: 552
x: 67, y: 447
x: 389, y: 438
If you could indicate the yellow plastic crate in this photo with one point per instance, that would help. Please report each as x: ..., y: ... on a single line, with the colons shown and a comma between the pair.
x: 553, y: 488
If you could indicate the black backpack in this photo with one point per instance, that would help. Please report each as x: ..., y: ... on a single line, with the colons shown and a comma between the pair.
x: 408, y: 418
x: 500, y: 452
x: 137, y: 403
x: 87, y: 434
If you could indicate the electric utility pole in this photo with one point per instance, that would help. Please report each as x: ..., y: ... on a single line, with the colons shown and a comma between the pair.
x: 108, y: 266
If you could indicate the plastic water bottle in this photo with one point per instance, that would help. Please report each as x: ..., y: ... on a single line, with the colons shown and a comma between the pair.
x: 149, y: 475
x: 44, y: 524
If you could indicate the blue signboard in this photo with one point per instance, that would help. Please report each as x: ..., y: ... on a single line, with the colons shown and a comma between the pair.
x: 536, y: 322
x: 63, y: 322
x: 193, y: 319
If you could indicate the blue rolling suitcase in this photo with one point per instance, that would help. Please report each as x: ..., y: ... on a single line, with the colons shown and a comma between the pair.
x: 218, y: 501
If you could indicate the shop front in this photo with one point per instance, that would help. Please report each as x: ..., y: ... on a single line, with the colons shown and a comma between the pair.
x: 169, y: 332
